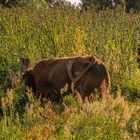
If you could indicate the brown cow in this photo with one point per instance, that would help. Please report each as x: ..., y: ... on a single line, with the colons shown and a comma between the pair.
x: 49, y: 76
x: 29, y: 81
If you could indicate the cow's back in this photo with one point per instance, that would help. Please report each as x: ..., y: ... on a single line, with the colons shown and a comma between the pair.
x: 52, y: 73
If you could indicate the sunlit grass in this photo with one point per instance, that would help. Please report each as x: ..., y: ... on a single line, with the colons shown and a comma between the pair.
x: 46, y: 33
x: 109, y: 119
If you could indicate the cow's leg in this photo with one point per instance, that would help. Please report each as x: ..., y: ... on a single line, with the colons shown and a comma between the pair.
x: 55, y: 96
x: 83, y: 94
x: 49, y: 93
x: 102, y: 90
x: 42, y: 92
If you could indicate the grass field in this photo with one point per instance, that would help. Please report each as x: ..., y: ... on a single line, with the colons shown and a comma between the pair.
x: 65, y: 31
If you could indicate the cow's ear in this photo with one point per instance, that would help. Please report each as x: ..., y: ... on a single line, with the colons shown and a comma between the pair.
x: 20, y: 60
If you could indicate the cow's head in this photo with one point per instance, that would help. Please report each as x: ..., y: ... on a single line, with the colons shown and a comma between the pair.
x: 24, y: 64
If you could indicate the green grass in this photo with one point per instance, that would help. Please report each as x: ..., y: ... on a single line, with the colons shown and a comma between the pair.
x: 60, y: 32
x: 94, y: 120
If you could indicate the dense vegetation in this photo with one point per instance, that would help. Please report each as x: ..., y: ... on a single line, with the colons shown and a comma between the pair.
x: 85, y: 5
x: 65, y: 31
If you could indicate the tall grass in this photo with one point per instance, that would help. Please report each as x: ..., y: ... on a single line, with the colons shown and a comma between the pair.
x: 65, y: 31
x: 110, y: 119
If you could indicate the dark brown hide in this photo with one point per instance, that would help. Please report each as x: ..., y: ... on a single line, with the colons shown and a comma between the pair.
x: 97, y: 77
x: 51, y: 75
x: 29, y: 80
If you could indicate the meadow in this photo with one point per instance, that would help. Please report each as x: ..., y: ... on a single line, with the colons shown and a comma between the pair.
x: 113, y: 37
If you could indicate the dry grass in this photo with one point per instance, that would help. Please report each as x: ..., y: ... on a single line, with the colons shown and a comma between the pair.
x: 109, y: 119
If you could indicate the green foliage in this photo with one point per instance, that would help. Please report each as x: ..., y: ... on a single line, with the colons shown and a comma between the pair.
x: 65, y: 31
x: 96, y: 4
x: 133, y: 5
x: 112, y: 37
x: 23, y: 3
x: 109, y: 119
